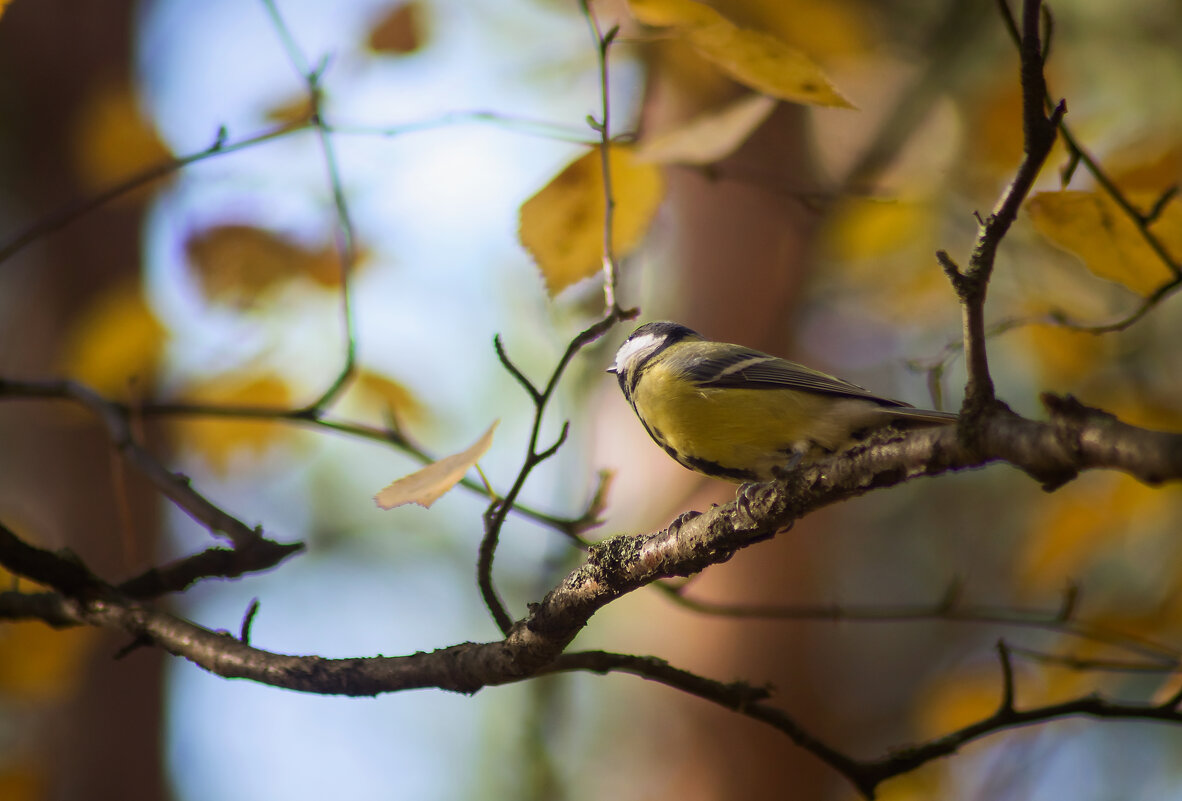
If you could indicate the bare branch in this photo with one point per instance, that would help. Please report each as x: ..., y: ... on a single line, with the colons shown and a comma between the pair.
x: 59, y: 390
x: 950, y: 608
x: 54, y: 222
x: 494, y: 516
x: 115, y: 419
x: 602, y: 126
x: 971, y: 285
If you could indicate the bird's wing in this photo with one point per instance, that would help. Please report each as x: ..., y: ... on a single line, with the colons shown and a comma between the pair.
x: 751, y: 369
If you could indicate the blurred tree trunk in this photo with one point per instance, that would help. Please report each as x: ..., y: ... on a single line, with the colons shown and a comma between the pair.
x: 742, y: 237
x: 102, y: 738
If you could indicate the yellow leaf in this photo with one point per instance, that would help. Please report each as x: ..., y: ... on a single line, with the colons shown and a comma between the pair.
x: 425, y: 486
x: 384, y: 397
x: 115, y: 341
x: 237, y: 263
x: 219, y: 439
x: 1147, y: 166
x: 674, y: 13
x: 399, y: 31
x: 562, y: 225
x: 1065, y: 356
x: 711, y: 136
x: 755, y: 59
x: 112, y: 139
x: 1085, y: 524
x: 922, y: 784
x: 1091, y: 226
x: 994, y: 130
x: 296, y: 109
x: 867, y: 228
x: 954, y: 702
x: 882, y: 250
x: 40, y: 663
x: 832, y: 27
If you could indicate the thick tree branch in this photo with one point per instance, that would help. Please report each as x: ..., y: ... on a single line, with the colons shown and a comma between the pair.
x: 1076, y: 438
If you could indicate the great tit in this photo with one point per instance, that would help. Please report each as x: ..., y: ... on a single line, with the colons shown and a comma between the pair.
x: 737, y: 414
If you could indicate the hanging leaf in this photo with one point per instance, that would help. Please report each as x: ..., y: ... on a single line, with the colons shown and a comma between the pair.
x: 753, y: 58
x: 426, y: 486
x: 1091, y: 226
x: 562, y: 225
x: 711, y: 136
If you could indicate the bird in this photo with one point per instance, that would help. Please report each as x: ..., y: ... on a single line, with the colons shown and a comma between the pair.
x: 738, y: 414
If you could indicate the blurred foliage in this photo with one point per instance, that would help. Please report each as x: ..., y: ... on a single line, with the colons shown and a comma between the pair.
x: 400, y: 30
x: 1075, y: 250
x: 238, y: 264
x: 112, y: 138
x: 1111, y: 245
x: 222, y: 441
x: 115, y: 343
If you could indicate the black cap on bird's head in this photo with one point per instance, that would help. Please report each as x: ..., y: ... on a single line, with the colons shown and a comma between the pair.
x: 647, y: 341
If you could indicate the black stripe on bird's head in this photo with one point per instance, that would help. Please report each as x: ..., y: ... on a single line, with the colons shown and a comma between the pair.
x: 641, y: 346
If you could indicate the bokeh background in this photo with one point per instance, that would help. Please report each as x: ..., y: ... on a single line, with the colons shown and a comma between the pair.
x: 219, y: 283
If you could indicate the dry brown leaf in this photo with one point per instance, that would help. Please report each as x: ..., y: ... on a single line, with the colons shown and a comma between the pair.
x: 399, y: 31
x: 236, y: 263
x: 426, y: 486
x: 293, y: 110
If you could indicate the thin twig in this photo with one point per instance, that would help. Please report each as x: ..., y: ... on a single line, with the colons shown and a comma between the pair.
x: 948, y: 609
x: 972, y: 284
x: 528, y: 126
x: 1093, y: 664
x: 58, y: 390
x: 248, y: 620
x: 1007, y: 678
x: 345, y: 237
x: 494, y: 516
x: 60, y: 219
x: 175, y: 487
x: 602, y: 126
x: 1078, y: 154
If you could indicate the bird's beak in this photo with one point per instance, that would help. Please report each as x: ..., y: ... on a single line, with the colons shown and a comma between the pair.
x: 611, y: 369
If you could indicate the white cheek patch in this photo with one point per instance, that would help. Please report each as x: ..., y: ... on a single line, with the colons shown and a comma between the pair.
x: 635, y: 349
